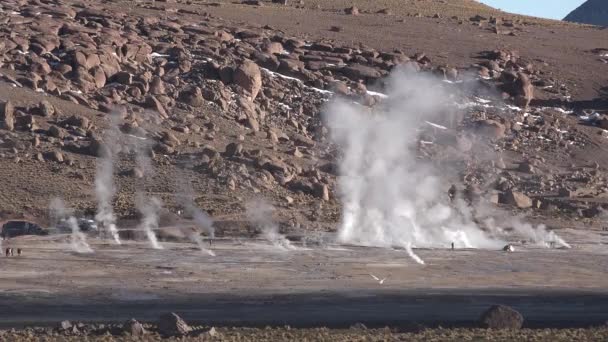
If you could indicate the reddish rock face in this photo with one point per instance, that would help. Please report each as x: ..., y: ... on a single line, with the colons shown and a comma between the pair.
x: 248, y: 77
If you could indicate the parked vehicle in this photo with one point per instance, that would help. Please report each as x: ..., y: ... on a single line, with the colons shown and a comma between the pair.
x: 85, y: 225
x: 17, y: 228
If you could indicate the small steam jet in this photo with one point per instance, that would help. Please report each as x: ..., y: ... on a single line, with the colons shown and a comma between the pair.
x: 380, y: 281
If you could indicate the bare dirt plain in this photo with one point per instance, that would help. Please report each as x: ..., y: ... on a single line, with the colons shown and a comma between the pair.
x: 225, y: 148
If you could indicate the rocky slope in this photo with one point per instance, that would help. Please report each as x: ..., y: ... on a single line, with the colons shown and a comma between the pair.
x: 230, y: 111
x: 593, y: 12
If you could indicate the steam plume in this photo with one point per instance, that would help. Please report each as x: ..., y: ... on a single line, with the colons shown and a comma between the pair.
x: 149, y: 210
x: 58, y: 213
x: 149, y: 207
x: 78, y: 239
x: 260, y: 214
x: 391, y: 197
x: 202, y: 220
x: 104, y: 183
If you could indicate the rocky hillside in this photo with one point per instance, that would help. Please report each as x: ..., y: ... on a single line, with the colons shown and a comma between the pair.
x: 594, y: 12
x: 227, y: 110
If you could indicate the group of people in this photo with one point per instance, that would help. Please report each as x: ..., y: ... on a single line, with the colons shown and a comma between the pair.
x: 9, y: 252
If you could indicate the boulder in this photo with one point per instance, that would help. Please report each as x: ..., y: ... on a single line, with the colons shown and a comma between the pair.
x: 501, y: 317
x: 171, y: 324
x: 352, y: 11
x: 55, y: 156
x: 524, y: 90
x: 56, y: 132
x: 134, y: 328
x: 77, y: 121
x: 192, y: 96
x: 517, y: 199
x: 248, y: 76
x: 7, y: 115
x: 46, y: 108
x: 361, y: 72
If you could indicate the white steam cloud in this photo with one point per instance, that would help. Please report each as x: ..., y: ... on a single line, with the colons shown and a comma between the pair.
x: 78, y: 240
x: 203, y: 220
x: 149, y: 209
x: 104, y: 181
x: 60, y: 214
x: 260, y: 213
x: 390, y: 196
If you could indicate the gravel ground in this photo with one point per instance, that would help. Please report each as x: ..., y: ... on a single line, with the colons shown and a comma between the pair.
x: 324, y: 334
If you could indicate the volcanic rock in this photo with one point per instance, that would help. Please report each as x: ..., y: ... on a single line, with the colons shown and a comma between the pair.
x: 517, y: 199
x: 134, y: 328
x: 55, y: 156
x: 192, y: 97
x: 46, y: 108
x: 153, y: 103
x: 352, y: 11
x: 248, y: 76
x: 7, y: 115
x: 56, y: 132
x: 501, y: 317
x: 524, y: 90
x: 65, y: 325
x: 171, y: 324
x: 157, y: 87
x: 361, y: 72
x: 77, y: 121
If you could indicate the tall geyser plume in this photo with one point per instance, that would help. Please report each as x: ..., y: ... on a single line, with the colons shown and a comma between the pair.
x: 391, y: 197
x: 203, y: 220
x: 104, y: 179
x: 149, y: 208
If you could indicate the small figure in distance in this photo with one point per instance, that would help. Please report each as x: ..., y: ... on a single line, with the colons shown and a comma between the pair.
x: 7, y: 252
x: 18, y: 251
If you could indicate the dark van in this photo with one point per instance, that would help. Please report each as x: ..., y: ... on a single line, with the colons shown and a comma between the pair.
x: 17, y: 228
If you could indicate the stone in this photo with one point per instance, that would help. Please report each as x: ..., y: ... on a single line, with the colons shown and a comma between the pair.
x: 501, y: 317
x: 46, y: 108
x: 65, y: 325
x: 517, y: 199
x: 273, y: 48
x: 7, y: 115
x: 212, y: 332
x: 77, y: 121
x: 55, y: 156
x: 321, y: 191
x: 233, y: 149
x: 253, y: 123
x: 56, y: 132
x: 134, y: 328
x: 361, y: 72
x: 192, y: 97
x: 524, y: 90
x: 157, y: 87
x: 248, y: 76
x: 352, y: 11
x: 152, y: 102
x: 171, y: 324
